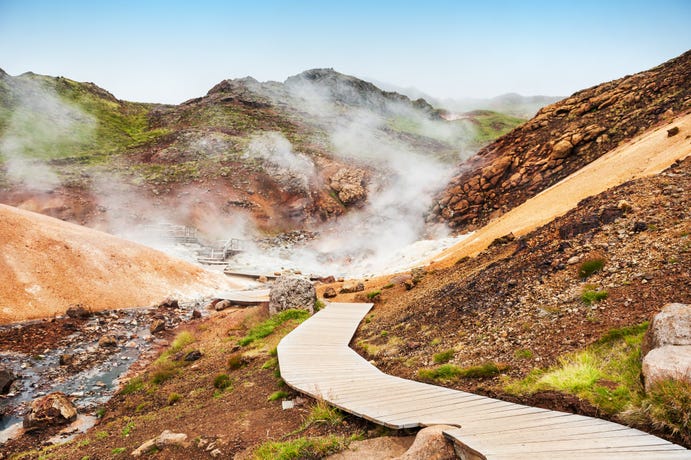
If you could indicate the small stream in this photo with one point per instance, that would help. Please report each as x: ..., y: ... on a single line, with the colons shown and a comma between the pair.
x: 89, y: 373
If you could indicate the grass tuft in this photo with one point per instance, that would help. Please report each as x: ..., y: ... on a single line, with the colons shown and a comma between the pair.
x: 590, y: 266
x: 591, y: 295
x: 443, y: 357
x: 322, y: 412
x: 302, y: 448
x: 133, y: 386
x: 222, y: 381
x: 267, y: 327
x: 451, y: 372
x: 276, y: 395
x: 183, y: 339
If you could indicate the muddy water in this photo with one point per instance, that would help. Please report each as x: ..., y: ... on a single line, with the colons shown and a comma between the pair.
x: 92, y: 374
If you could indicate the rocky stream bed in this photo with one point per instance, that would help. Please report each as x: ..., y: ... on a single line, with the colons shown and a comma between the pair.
x: 82, y: 354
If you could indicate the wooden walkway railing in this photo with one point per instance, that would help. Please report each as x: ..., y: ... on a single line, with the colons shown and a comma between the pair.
x: 315, y: 359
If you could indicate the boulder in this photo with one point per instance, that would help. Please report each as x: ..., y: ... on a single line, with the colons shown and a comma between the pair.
x: 222, y: 305
x: 292, y: 291
x: 379, y: 448
x: 671, y: 326
x: 7, y: 377
x: 669, y: 362
x: 349, y: 185
x: 193, y: 355
x: 107, y: 341
x: 168, y: 303
x: 330, y: 293
x: 78, y: 312
x: 430, y: 444
x: 157, y: 325
x: 166, y: 438
x: 52, y: 409
x: 349, y: 288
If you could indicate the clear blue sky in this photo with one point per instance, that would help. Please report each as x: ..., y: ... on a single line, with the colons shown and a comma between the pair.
x: 169, y: 51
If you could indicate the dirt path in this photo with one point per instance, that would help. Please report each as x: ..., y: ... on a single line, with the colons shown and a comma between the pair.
x: 46, y: 265
x: 645, y: 155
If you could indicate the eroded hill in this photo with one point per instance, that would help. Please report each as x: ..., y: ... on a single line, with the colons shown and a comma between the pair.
x: 559, y: 140
x: 48, y: 265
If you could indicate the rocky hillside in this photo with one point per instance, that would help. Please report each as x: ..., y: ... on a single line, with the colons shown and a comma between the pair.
x: 559, y: 140
x: 284, y: 155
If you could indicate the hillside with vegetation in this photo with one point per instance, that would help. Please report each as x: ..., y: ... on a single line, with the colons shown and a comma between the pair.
x: 270, y: 151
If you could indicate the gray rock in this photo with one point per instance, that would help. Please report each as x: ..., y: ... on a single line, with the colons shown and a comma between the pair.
x: 52, y: 409
x: 291, y: 292
x: 671, y: 326
x: 665, y: 363
x: 222, y: 305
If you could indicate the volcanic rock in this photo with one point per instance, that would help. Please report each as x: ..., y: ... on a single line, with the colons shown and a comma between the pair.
x: 53, y: 409
x: 77, y: 311
x: 330, y: 293
x: 107, y: 341
x: 350, y: 288
x: 349, y: 185
x: 168, y: 303
x: 6, y: 379
x: 291, y: 291
x: 157, y: 325
x: 193, y: 355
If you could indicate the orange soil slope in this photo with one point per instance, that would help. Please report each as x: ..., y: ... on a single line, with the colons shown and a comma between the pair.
x: 645, y: 155
x: 46, y: 265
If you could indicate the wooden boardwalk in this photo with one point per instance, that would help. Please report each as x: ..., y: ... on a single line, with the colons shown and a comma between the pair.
x: 315, y: 359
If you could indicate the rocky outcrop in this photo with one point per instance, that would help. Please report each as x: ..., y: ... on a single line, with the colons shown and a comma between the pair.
x: 666, y: 346
x: 349, y: 185
x: 53, y: 409
x: 559, y: 140
x: 291, y: 292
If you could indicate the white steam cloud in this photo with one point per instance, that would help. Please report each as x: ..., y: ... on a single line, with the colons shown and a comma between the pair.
x: 402, y: 180
x: 41, y: 126
x: 276, y: 152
